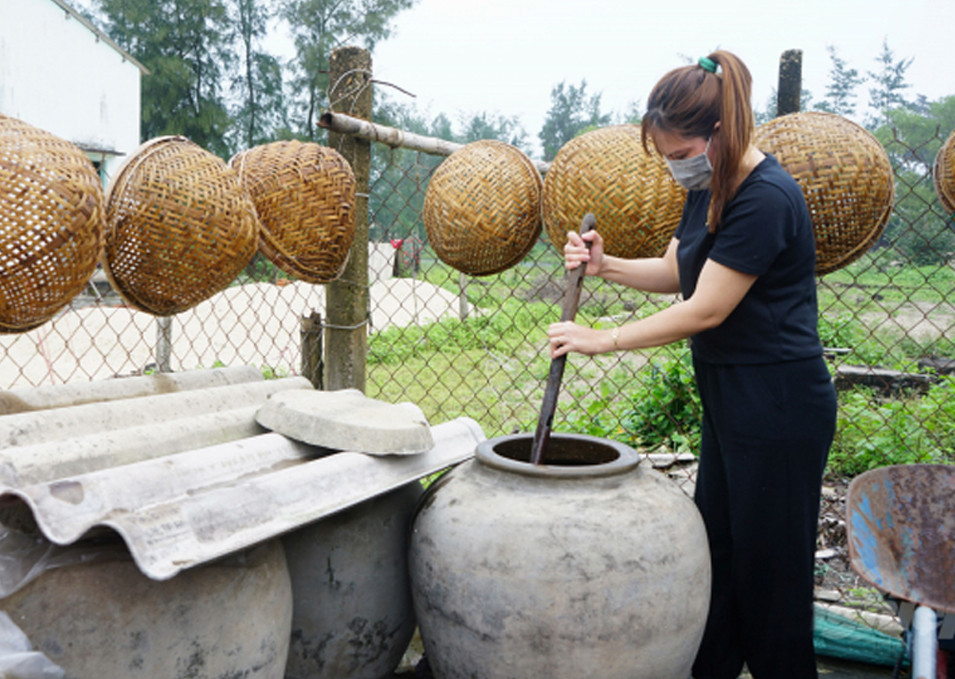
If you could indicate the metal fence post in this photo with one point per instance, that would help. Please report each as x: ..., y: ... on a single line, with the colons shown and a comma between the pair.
x: 462, y: 296
x: 164, y: 344
x: 789, y: 93
x: 347, y: 303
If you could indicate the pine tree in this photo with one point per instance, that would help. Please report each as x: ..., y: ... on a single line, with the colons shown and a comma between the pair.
x: 185, y: 45
x: 318, y: 28
x: 571, y: 112
x: 888, y: 85
x: 495, y: 126
x: 258, y: 80
x: 840, y: 92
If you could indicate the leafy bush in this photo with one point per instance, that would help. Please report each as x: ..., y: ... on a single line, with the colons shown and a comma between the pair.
x: 260, y: 269
x: 873, y: 433
x: 839, y: 332
x: 663, y: 410
x: 666, y: 409
x: 598, y: 417
x: 272, y: 373
x: 846, y: 332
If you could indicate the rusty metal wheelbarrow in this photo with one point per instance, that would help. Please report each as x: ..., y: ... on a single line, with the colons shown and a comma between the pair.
x: 900, y: 522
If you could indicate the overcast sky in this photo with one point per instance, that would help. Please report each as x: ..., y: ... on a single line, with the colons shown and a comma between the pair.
x: 467, y: 56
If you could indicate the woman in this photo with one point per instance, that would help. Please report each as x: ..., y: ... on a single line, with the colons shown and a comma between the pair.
x: 743, y: 257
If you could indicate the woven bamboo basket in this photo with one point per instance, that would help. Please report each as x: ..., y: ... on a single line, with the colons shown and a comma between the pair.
x: 631, y: 193
x: 179, y: 227
x: 51, y: 224
x: 305, y: 198
x: 845, y: 175
x: 482, y: 208
x: 944, y: 174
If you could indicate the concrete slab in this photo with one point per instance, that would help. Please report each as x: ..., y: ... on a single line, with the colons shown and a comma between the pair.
x: 25, y: 399
x: 177, y: 511
x: 347, y: 420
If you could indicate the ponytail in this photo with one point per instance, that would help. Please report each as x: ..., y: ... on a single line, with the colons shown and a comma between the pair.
x: 736, y: 132
x: 690, y: 101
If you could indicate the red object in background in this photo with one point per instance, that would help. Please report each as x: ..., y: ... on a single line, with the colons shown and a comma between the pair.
x: 407, y: 254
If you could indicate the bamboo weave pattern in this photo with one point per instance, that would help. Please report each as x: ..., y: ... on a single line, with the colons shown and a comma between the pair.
x: 305, y: 198
x: 51, y: 224
x: 944, y: 174
x: 632, y: 194
x: 845, y: 175
x: 482, y: 208
x: 179, y: 227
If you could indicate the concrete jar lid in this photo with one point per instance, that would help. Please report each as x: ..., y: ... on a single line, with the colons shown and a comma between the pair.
x: 347, y: 420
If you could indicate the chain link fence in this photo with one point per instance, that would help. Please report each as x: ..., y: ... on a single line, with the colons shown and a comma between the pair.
x: 886, y: 322
x: 476, y: 346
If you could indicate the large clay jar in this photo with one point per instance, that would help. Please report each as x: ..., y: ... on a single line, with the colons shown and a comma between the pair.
x: 104, y: 618
x: 353, y: 617
x: 589, y: 565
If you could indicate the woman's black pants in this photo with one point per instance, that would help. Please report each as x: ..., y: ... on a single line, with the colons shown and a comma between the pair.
x: 766, y: 436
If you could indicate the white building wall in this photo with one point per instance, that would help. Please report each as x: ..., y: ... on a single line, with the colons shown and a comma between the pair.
x: 57, y: 74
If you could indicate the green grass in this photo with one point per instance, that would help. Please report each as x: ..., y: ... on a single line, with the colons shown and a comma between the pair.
x: 875, y: 283
x: 490, y: 367
x: 463, y: 384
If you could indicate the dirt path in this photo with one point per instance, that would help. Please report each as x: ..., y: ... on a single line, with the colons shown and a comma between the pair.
x: 917, y: 320
x: 255, y: 324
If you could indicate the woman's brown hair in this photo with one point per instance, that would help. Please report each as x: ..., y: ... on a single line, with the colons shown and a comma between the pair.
x: 690, y: 101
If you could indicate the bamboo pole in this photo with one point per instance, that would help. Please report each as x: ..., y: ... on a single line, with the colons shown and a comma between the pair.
x: 393, y: 137
x: 347, y: 300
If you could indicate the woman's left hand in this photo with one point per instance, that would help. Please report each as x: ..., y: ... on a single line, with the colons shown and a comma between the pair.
x: 567, y: 336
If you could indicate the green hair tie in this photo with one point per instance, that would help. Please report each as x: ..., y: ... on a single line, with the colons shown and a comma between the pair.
x: 707, y: 64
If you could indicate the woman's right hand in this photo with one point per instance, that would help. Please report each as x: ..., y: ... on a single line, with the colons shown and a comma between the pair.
x: 576, y: 251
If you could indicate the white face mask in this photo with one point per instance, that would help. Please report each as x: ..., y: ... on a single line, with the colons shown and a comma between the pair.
x: 693, y: 173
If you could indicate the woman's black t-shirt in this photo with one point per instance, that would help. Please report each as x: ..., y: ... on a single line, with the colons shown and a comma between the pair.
x: 765, y: 231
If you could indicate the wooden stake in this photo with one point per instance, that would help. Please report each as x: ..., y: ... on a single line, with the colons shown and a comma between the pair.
x: 347, y: 299
x: 310, y: 332
x: 789, y: 94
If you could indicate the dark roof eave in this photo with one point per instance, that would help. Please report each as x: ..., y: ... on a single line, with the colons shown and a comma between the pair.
x: 86, y: 148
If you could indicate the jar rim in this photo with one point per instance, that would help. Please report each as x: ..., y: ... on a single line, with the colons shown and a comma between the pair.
x: 566, y: 456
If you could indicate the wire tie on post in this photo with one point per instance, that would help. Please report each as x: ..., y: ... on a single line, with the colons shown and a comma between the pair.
x: 332, y: 326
